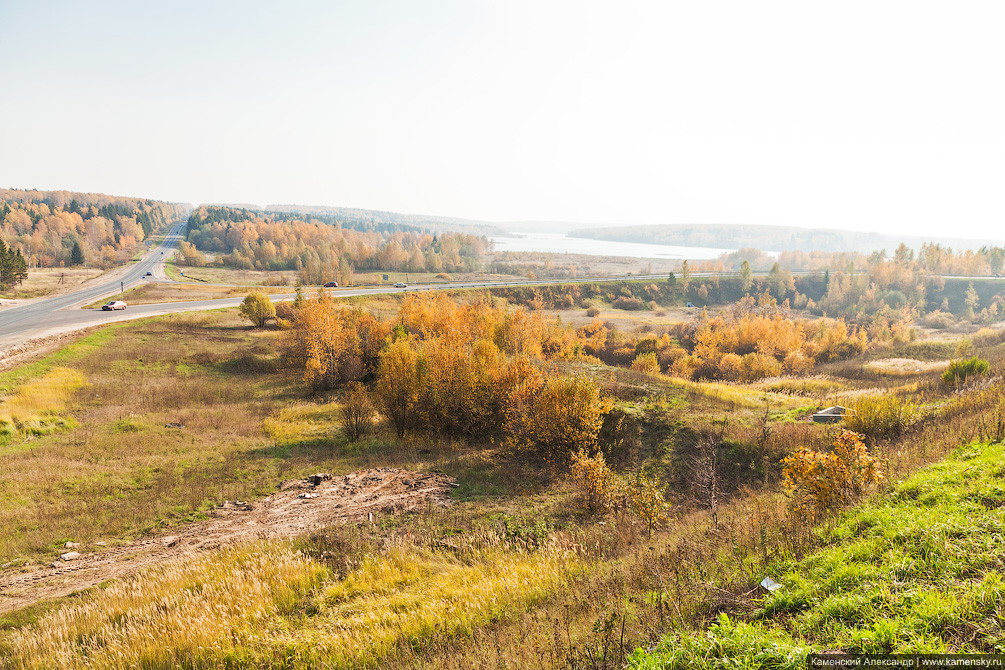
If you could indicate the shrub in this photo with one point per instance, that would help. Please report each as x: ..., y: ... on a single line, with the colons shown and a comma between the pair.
x: 285, y: 310
x: 758, y: 366
x: 647, y: 498
x: 646, y: 363
x: 939, y: 320
x: 356, y: 412
x: 730, y: 367
x: 601, y: 488
x: 626, y: 303
x: 257, y: 308
x: 444, y: 275
x: 881, y: 417
x: 592, y: 312
x: 820, y: 480
x: 566, y: 414
x: 960, y: 370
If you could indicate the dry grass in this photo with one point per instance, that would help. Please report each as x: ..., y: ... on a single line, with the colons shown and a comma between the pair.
x: 905, y: 367
x: 158, y: 292
x: 268, y: 605
x: 46, y: 281
x: 245, y: 430
x: 34, y: 408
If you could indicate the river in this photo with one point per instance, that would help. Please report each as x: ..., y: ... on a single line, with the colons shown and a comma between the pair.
x: 560, y: 243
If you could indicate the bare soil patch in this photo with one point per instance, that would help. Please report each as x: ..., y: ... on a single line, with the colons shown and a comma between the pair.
x: 300, y: 506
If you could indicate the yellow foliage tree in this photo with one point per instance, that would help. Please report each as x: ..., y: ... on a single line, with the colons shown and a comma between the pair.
x: 647, y: 498
x: 823, y: 480
x: 602, y: 489
x: 564, y: 415
x: 257, y: 308
x: 402, y: 377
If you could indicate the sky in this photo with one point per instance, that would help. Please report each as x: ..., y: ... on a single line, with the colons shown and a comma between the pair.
x: 877, y: 116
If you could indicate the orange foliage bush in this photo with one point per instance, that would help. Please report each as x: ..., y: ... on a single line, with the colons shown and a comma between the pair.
x: 822, y: 480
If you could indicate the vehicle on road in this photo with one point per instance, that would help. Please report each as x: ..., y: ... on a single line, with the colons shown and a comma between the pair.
x: 149, y: 274
x: 112, y: 305
x: 331, y: 284
x: 401, y: 284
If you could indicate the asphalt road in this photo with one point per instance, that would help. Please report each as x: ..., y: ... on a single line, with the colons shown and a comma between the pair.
x: 59, y: 312
x: 63, y: 314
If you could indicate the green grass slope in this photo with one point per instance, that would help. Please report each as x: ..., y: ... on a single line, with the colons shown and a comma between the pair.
x: 918, y: 570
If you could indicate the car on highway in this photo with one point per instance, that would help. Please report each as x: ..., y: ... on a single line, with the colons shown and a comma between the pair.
x: 331, y: 284
x: 149, y: 274
x: 113, y: 304
x: 401, y: 284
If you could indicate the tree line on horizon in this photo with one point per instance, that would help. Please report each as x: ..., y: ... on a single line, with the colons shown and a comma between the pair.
x: 63, y: 228
x: 318, y: 251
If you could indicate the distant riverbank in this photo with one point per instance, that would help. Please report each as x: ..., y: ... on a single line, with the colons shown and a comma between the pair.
x: 560, y: 243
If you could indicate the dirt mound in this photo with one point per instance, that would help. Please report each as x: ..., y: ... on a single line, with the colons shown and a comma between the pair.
x: 300, y: 506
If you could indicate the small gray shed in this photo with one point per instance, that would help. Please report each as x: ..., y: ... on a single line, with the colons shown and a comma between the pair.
x: 832, y: 414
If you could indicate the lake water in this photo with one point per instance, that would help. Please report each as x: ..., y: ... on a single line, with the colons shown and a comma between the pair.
x: 560, y: 243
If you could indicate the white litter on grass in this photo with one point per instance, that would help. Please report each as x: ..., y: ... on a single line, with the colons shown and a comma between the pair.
x: 770, y: 584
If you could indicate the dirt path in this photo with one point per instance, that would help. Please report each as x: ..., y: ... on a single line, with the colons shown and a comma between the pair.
x: 300, y: 506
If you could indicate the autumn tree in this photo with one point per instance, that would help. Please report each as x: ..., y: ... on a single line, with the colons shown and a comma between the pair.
x: 257, y: 308
x: 401, y: 381
x: 746, y: 277
x: 685, y: 277
x: 563, y: 416
x: 821, y: 480
x: 647, y: 498
x: 356, y: 412
x: 331, y: 345
x: 602, y: 489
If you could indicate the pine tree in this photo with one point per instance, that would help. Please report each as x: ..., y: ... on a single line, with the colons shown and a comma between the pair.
x: 76, y: 254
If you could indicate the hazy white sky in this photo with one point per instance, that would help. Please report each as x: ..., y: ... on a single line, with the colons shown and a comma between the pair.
x: 863, y: 115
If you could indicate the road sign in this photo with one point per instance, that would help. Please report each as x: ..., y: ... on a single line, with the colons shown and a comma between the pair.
x: 385, y: 277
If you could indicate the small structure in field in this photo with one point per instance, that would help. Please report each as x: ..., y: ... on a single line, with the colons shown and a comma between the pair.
x: 832, y: 414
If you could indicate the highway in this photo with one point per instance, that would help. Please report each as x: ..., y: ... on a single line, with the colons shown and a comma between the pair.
x: 62, y: 313
x: 56, y: 313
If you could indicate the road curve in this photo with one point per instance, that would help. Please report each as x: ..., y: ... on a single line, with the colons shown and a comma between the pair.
x: 59, y: 315
x: 56, y: 313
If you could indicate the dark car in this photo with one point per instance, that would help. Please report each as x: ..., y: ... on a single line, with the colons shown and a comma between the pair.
x: 113, y: 304
x: 149, y: 274
x: 331, y: 284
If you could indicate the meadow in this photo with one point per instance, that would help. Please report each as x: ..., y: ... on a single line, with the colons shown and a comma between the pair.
x: 517, y: 572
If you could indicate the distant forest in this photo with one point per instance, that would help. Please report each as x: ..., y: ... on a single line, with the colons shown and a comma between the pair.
x: 371, y: 219
x: 323, y: 247
x: 63, y: 228
x: 770, y: 238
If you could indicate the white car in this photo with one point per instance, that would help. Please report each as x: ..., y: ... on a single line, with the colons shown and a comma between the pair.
x: 113, y: 304
x: 401, y: 284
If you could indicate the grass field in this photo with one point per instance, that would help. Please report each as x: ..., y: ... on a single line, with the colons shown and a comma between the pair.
x: 45, y: 281
x: 917, y: 570
x: 549, y: 585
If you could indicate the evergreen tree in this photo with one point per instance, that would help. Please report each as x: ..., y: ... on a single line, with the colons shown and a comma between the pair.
x: 76, y: 254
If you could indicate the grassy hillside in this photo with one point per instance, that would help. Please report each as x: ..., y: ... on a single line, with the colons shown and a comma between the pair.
x: 918, y: 570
